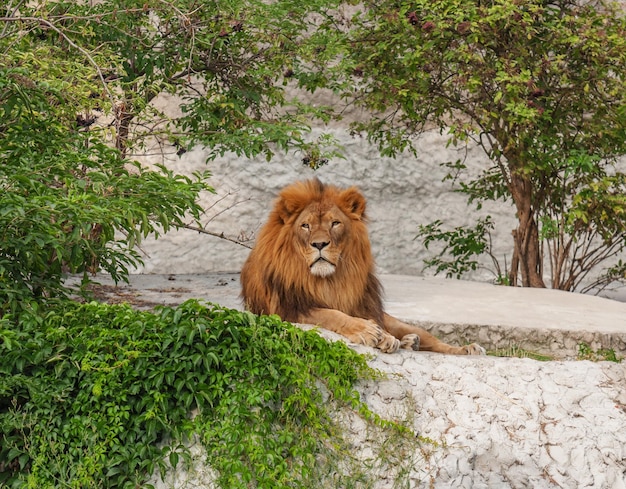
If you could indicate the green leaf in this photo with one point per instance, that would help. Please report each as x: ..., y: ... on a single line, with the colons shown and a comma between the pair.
x: 174, y: 459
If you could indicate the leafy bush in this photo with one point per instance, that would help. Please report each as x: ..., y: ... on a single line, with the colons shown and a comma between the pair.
x: 464, y: 244
x: 68, y: 202
x: 99, y: 395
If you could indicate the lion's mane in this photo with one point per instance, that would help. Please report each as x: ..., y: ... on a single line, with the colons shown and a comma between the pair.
x: 276, y: 278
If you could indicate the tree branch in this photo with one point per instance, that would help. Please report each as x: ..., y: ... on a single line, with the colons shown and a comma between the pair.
x: 217, y: 235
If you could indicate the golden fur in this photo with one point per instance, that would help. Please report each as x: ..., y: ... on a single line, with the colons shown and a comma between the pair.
x: 312, y: 263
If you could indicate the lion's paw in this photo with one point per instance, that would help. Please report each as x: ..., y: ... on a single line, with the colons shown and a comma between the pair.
x: 473, y: 349
x: 365, y: 332
x: 388, y: 344
x: 410, y: 342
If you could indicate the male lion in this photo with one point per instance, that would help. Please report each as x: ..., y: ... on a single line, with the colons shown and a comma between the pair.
x: 312, y: 264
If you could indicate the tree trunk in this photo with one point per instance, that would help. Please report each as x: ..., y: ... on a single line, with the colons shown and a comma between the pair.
x: 125, y: 116
x: 527, y: 251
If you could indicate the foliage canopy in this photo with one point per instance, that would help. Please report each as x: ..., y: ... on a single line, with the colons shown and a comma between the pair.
x: 79, y: 86
x: 224, y: 64
x: 540, y: 86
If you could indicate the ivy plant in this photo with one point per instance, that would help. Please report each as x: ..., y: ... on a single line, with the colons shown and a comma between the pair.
x: 96, y: 395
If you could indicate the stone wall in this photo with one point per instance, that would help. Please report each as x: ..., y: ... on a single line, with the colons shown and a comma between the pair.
x: 402, y: 193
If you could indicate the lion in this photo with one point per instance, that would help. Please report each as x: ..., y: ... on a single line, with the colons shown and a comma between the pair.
x: 312, y: 264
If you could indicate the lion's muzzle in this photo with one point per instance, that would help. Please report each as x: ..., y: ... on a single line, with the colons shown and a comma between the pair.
x: 322, y: 267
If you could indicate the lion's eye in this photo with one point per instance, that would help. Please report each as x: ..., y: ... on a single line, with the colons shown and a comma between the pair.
x: 305, y: 226
x: 336, y: 223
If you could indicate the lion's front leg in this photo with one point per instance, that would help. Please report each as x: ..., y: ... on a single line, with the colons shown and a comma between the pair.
x: 415, y: 338
x: 357, y: 330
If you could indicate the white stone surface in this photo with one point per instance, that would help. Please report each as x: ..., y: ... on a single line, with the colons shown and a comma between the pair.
x: 498, y: 422
x: 509, y: 422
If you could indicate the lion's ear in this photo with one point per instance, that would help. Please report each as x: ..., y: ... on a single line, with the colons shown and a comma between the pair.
x: 287, y: 206
x: 281, y: 210
x: 352, y: 202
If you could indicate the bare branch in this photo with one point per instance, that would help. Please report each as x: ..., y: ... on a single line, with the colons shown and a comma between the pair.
x: 217, y: 235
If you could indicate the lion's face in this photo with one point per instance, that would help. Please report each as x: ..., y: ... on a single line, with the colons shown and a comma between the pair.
x: 313, y: 252
x: 321, y: 231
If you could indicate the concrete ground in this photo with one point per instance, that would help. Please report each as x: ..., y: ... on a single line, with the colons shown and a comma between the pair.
x: 545, y: 321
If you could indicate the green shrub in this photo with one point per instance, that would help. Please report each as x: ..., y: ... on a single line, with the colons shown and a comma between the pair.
x: 97, y: 395
x: 70, y: 203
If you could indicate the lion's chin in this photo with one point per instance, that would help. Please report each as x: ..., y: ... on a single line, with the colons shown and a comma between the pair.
x: 322, y: 268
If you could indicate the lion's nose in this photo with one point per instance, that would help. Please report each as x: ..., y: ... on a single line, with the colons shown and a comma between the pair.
x: 320, y: 245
